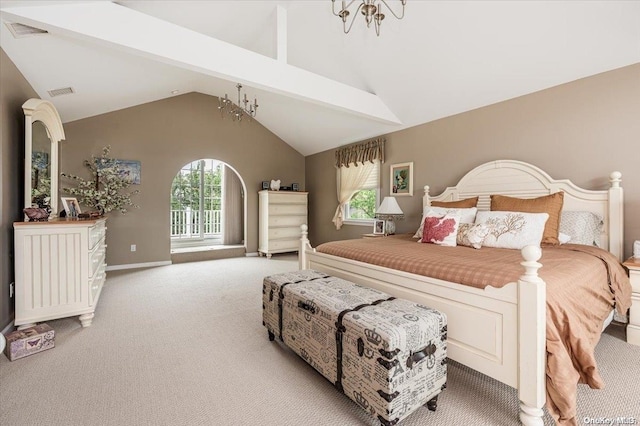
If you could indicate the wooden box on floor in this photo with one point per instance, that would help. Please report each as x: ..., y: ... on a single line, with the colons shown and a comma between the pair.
x: 29, y: 341
x: 386, y: 354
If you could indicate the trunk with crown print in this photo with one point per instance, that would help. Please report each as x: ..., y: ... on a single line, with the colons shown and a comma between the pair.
x: 386, y: 354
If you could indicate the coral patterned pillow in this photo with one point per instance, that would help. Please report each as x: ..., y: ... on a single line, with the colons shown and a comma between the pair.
x: 440, y: 229
x: 512, y: 230
x: 466, y: 216
x: 472, y: 235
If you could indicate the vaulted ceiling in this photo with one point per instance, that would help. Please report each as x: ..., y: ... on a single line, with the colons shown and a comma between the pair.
x: 317, y: 87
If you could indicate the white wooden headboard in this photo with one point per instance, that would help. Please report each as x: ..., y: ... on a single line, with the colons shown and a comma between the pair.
x: 520, y: 179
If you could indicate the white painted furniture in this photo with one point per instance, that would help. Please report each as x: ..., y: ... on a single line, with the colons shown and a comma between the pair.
x: 60, y: 269
x: 633, y: 329
x: 280, y: 215
x: 44, y: 141
x: 497, y: 331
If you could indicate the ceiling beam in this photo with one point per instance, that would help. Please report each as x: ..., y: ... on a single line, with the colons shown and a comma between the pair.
x: 117, y: 27
x: 281, y: 33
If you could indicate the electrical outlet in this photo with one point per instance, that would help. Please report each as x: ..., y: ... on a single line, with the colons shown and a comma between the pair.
x: 133, y: 247
x: 11, y: 290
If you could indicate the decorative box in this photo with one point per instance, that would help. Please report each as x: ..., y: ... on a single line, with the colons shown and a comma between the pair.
x: 388, y: 355
x: 22, y: 343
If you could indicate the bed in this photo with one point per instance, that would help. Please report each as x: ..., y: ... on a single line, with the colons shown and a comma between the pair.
x: 501, y: 332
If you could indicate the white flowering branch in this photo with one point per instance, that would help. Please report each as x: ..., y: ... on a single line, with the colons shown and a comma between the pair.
x: 103, y: 192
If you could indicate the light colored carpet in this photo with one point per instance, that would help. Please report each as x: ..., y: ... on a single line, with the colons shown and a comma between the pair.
x: 184, y: 345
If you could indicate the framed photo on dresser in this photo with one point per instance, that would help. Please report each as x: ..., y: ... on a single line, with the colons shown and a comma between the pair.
x: 378, y: 227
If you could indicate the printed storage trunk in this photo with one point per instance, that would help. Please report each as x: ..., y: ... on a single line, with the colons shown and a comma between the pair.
x: 29, y: 341
x: 387, y: 355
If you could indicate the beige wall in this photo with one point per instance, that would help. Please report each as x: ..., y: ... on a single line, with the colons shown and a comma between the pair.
x: 165, y: 135
x: 581, y: 130
x: 14, y: 91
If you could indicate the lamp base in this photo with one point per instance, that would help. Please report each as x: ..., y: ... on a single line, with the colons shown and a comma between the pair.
x: 389, y: 227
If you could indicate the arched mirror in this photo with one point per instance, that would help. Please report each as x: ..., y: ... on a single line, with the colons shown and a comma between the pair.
x: 43, y: 130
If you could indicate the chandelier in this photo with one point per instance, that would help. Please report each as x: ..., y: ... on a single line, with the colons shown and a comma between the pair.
x: 371, y: 9
x: 236, y: 111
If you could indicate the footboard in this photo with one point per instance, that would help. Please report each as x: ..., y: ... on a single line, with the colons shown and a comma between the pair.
x: 489, y: 330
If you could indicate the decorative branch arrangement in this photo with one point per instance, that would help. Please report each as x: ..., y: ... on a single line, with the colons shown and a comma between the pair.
x: 104, y: 192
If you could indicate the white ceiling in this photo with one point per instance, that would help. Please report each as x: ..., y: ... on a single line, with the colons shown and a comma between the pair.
x: 443, y: 58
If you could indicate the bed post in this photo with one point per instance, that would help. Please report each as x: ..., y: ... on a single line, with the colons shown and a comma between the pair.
x: 304, y: 244
x: 531, y: 339
x: 426, y: 201
x: 616, y: 218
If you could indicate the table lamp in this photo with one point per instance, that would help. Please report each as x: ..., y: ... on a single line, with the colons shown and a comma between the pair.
x: 389, y: 211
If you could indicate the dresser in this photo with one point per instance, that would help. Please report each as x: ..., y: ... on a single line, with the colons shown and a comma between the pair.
x: 60, y: 269
x: 280, y: 215
x: 633, y: 329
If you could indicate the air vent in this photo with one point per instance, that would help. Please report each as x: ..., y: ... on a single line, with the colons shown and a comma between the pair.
x: 21, y: 30
x: 59, y: 92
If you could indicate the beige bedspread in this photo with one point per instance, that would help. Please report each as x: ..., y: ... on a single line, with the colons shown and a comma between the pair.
x: 583, y: 283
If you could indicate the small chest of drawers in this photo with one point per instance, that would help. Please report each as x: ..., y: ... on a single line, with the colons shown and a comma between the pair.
x: 280, y: 215
x: 60, y: 269
x: 633, y: 329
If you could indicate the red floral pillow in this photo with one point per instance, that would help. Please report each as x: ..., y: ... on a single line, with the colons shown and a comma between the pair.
x: 440, y: 229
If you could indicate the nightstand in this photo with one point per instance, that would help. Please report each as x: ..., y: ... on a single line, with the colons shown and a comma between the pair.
x: 633, y: 329
x: 372, y: 235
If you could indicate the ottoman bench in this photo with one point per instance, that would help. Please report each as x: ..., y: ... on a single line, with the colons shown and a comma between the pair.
x: 386, y: 354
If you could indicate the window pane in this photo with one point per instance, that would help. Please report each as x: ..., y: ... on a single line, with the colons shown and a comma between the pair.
x: 362, y: 205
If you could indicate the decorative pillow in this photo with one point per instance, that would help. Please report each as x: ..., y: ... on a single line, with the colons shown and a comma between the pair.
x: 472, y: 235
x: 460, y: 204
x: 583, y: 227
x: 512, y: 230
x: 440, y: 229
x: 564, y: 238
x: 466, y: 216
x: 550, y: 204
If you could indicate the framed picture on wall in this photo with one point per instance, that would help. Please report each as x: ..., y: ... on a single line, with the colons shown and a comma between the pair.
x: 401, y: 179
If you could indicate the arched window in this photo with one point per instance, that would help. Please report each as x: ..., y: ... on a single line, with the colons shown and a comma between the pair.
x: 196, y: 203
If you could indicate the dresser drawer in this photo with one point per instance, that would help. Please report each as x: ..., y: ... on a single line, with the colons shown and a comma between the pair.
x: 96, y: 259
x: 634, y: 277
x: 280, y: 233
x: 95, y: 284
x: 293, y: 221
x: 288, y: 209
x: 96, y: 234
x: 288, y: 198
x: 283, y: 245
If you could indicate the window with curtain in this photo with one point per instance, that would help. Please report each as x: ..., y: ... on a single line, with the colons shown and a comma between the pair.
x: 358, y: 182
x: 362, y: 205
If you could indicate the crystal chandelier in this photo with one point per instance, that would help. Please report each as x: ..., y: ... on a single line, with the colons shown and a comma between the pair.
x: 236, y: 110
x: 371, y: 9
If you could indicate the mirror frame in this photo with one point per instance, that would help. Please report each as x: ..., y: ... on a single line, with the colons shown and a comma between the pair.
x: 43, y: 111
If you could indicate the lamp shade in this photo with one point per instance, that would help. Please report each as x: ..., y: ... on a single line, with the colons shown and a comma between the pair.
x: 389, y: 206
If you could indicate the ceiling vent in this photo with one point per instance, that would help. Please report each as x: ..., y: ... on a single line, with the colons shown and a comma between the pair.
x: 59, y: 92
x: 21, y: 30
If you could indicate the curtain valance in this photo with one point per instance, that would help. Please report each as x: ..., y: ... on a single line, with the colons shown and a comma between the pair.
x: 360, y: 153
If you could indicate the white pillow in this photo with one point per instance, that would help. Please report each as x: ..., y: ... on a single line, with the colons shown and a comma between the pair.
x: 466, y: 216
x: 472, y: 235
x: 512, y: 230
x: 440, y: 229
x: 583, y: 227
x: 563, y: 238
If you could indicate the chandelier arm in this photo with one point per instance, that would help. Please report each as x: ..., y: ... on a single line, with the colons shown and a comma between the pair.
x: 333, y: 7
x: 391, y: 10
x: 353, y: 19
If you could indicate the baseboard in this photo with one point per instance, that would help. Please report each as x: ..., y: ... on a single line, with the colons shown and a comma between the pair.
x: 8, y: 328
x: 138, y: 265
x: 252, y: 254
